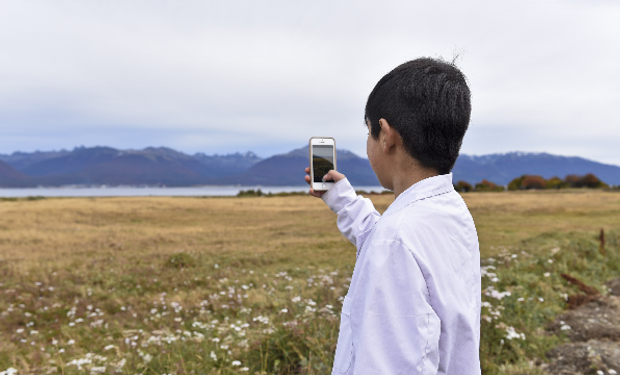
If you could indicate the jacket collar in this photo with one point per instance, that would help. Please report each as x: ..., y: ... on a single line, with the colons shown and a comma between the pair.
x: 427, y: 188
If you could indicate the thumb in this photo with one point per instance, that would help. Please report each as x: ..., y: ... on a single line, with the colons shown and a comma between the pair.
x: 334, y: 175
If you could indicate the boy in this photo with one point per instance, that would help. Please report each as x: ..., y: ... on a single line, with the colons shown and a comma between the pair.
x: 413, y: 306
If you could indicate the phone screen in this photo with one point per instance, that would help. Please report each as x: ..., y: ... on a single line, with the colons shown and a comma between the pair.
x: 322, y: 161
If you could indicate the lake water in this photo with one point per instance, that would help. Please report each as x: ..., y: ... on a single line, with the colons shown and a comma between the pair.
x: 193, y: 191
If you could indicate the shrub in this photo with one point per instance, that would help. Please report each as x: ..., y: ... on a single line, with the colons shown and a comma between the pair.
x: 463, y: 187
x: 536, y: 182
x: 486, y: 185
x: 516, y: 183
x: 589, y: 180
x: 533, y: 182
x: 556, y: 183
x: 250, y: 193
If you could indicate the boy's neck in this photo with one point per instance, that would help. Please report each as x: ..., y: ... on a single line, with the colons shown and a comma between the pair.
x: 412, y: 173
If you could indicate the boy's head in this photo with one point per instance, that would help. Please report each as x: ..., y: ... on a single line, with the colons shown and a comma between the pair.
x: 427, y: 102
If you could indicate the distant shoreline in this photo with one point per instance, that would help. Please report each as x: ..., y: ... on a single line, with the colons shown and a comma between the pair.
x: 145, y: 191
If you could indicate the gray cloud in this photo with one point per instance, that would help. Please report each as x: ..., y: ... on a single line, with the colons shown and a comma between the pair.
x: 265, y: 76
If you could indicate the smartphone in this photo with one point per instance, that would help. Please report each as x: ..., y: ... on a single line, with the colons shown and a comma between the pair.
x: 322, y: 160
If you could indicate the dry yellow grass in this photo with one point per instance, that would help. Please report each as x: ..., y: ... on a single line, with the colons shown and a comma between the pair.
x: 506, y: 218
x: 282, y: 228
x: 52, y: 231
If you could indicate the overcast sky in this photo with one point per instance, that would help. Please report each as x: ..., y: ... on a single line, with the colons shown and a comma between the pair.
x: 227, y: 76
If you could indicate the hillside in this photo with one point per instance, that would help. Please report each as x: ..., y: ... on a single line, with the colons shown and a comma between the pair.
x: 502, y: 168
x: 10, y: 177
x: 110, y: 166
x: 165, y: 166
x: 288, y: 169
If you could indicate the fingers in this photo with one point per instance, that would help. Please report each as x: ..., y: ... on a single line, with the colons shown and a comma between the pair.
x: 334, y: 175
x: 317, y: 194
x: 330, y: 175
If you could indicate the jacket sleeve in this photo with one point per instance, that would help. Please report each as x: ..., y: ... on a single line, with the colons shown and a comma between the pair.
x: 394, y: 328
x: 356, y: 215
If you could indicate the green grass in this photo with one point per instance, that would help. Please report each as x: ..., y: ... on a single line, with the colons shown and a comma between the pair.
x: 530, y: 273
x: 199, y: 314
x: 189, y: 314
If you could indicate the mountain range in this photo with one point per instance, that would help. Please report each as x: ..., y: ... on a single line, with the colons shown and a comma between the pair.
x: 165, y: 166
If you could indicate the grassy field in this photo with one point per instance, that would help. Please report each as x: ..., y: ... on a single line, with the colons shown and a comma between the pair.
x: 253, y: 285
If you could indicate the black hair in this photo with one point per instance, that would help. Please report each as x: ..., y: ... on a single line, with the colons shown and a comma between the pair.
x: 427, y: 101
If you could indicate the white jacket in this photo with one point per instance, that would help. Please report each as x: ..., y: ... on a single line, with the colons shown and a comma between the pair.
x: 413, y: 306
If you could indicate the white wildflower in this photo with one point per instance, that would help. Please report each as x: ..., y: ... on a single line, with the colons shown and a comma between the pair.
x: 492, y: 292
x: 236, y: 363
x: 512, y: 334
x: 262, y: 319
x: 119, y: 365
x: 80, y: 362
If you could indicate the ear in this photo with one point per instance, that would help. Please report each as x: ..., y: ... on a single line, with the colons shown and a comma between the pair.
x: 387, y: 136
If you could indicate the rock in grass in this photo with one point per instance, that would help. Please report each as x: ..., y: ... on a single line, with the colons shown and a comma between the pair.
x: 590, y: 357
x: 599, y: 319
x: 613, y: 286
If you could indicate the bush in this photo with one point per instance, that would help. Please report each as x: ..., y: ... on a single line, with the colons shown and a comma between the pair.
x: 589, y: 180
x: 486, y: 185
x: 463, y: 187
x: 250, y: 193
x: 526, y: 182
x: 515, y: 184
x: 556, y: 183
x: 533, y: 182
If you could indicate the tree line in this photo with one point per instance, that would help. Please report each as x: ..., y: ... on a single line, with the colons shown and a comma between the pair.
x: 529, y: 182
